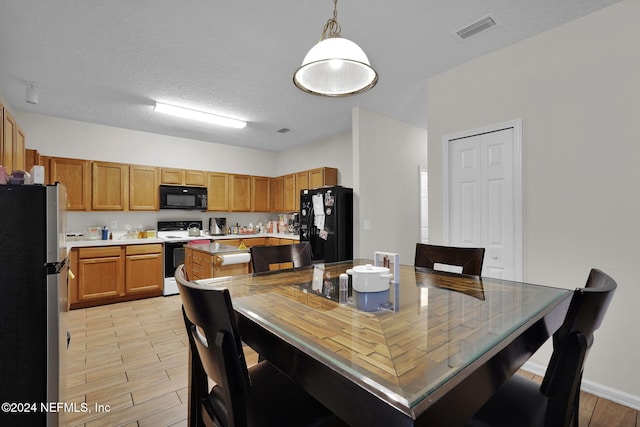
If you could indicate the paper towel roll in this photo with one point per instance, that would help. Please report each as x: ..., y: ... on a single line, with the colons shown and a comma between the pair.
x: 230, y: 259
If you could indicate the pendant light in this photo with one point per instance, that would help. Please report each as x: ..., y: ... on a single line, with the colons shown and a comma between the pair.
x: 335, y: 66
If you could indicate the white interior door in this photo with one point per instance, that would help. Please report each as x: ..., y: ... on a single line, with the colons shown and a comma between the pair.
x: 483, y: 197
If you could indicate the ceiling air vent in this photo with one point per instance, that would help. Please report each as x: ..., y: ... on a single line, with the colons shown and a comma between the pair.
x: 477, y: 27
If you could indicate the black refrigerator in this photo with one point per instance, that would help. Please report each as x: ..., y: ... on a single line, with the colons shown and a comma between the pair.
x: 33, y: 303
x: 326, y: 222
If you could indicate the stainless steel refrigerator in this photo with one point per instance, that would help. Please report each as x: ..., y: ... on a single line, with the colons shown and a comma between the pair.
x: 33, y: 303
x: 326, y: 222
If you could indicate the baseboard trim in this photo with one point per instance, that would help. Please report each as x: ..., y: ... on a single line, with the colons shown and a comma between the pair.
x: 621, y: 397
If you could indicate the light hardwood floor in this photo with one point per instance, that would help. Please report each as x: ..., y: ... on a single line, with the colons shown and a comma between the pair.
x: 131, y: 359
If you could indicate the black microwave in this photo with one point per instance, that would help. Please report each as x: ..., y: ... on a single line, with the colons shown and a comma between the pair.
x: 180, y: 197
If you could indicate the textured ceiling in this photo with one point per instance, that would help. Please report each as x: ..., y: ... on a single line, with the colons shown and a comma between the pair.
x: 107, y: 61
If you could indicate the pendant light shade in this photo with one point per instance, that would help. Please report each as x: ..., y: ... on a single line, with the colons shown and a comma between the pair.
x: 335, y: 66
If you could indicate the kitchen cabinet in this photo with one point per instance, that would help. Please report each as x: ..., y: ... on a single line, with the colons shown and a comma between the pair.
x: 143, y: 269
x: 9, y: 142
x: 218, y: 191
x: 195, y: 178
x: 204, y: 265
x: 143, y: 188
x: 240, y: 191
x: 277, y: 194
x: 260, y: 194
x: 108, y: 274
x: 32, y: 158
x: 183, y: 177
x: 18, y: 149
x: 2, y: 135
x: 289, y: 193
x: 302, y: 183
x: 75, y: 174
x: 171, y: 176
x: 110, y: 186
x: 323, y: 176
x: 100, y: 273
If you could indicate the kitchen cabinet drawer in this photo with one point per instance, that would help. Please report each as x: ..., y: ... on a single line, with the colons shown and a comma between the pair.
x: 153, y: 248
x: 255, y: 241
x: 99, y: 251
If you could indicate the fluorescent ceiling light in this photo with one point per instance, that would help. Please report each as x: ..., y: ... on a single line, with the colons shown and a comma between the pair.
x: 188, y: 113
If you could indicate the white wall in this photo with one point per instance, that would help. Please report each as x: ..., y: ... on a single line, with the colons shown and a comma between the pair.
x: 387, y: 154
x: 68, y: 138
x: 576, y: 88
x: 335, y: 152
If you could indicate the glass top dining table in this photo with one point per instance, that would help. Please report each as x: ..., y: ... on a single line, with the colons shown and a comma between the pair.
x: 431, y: 354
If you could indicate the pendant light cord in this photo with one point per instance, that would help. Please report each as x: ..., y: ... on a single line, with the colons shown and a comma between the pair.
x: 332, y: 27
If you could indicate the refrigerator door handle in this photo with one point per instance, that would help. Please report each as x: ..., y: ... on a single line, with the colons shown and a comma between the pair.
x: 56, y: 267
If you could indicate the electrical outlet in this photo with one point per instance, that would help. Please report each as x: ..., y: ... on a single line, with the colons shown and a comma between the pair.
x: 114, y: 225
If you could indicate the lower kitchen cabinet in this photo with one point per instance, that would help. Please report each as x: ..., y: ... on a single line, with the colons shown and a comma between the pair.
x: 108, y: 274
x: 100, y: 273
x: 143, y: 267
x: 202, y: 265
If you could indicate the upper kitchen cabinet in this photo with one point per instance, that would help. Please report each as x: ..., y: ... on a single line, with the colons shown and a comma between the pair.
x: 32, y: 158
x: 240, y: 193
x: 75, y: 174
x: 183, y: 177
x: 218, y: 191
x: 289, y: 195
x: 277, y: 195
x: 260, y: 194
x: 143, y: 188
x: 12, y: 142
x: 323, y: 176
x: 110, y: 186
x: 8, y: 145
x: 171, y: 176
x: 19, y: 162
x: 302, y: 182
x: 195, y: 178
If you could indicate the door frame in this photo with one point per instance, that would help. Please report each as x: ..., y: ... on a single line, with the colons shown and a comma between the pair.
x: 517, y: 184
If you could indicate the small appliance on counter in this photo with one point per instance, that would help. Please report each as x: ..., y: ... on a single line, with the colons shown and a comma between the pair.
x: 217, y: 226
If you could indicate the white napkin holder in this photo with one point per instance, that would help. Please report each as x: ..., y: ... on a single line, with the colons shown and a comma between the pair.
x: 390, y: 260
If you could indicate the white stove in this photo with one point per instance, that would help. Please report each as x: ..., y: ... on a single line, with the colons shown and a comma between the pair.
x: 175, y: 235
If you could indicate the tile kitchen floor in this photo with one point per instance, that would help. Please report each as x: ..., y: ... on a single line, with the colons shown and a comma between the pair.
x: 128, y: 363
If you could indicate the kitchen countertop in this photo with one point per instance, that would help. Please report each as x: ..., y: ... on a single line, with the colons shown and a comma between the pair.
x: 114, y: 242
x: 253, y: 236
x: 216, y: 248
x: 118, y: 242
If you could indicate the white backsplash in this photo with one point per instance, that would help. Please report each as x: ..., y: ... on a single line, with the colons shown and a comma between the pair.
x: 77, y: 222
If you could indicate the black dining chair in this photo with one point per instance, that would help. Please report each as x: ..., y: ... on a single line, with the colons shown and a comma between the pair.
x: 525, y: 403
x: 265, y: 258
x: 259, y: 395
x: 470, y: 259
